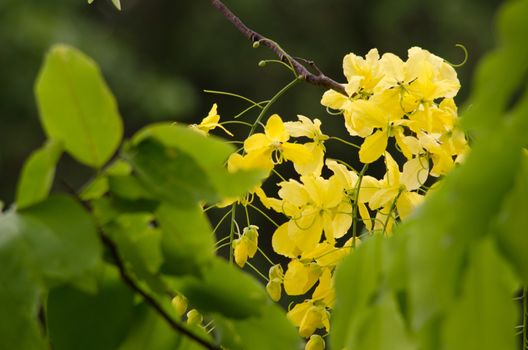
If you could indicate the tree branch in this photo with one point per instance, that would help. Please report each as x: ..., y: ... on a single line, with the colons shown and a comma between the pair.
x: 149, y: 299
x: 302, y: 72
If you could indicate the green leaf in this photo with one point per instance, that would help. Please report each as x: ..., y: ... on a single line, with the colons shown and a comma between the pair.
x: 117, y: 4
x: 76, y: 106
x: 357, y: 281
x: 19, y: 291
x: 270, y: 330
x: 37, y: 175
x: 77, y: 320
x: 61, y: 236
x: 139, y: 243
x: 171, y: 174
x: 187, y: 240
x: 484, y: 316
x: 512, y: 223
x: 128, y: 187
x: 224, y: 289
x: 383, y: 328
x: 150, y: 331
x: 210, y: 152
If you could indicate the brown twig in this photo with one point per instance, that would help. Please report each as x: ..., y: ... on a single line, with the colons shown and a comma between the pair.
x: 148, y: 298
x: 318, y: 79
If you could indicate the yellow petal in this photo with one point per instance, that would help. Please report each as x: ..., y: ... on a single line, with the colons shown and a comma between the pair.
x: 373, y: 147
x: 299, y: 277
x: 282, y: 244
x: 296, y: 153
x: 415, y: 173
x: 256, y: 142
x: 316, y: 342
x: 275, y: 129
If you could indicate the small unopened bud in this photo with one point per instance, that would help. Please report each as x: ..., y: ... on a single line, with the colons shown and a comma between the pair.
x: 194, y: 317
x: 180, y: 304
x: 262, y: 63
x: 316, y: 342
x: 256, y: 44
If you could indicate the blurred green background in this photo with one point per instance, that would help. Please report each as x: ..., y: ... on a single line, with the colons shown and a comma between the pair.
x: 158, y: 56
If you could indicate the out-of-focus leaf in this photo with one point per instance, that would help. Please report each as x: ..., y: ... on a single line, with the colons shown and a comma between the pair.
x: 187, y: 238
x: 128, y: 187
x: 77, y: 320
x: 139, y: 243
x: 210, y: 152
x: 270, y: 330
x: 150, y: 331
x: 512, y: 225
x: 19, y: 291
x: 383, y: 328
x: 61, y: 236
x: 37, y: 175
x: 171, y: 174
x: 76, y: 107
x: 484, y: 317
x: 224, y: 289
x: 361, y: 268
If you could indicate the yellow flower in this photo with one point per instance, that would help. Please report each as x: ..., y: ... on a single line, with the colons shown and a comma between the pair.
x: 316, y: 342
x: 325, y: 292
x: 395, y: 189
x: 210, y: 122
x: 363, y: 74
x: 309, y: 316
x: 271, y: 147
x: 246, y: 246
x: 300, y: 277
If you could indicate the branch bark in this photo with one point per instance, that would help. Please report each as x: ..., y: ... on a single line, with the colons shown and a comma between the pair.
x: 302, y: 72
x: 148, y: 298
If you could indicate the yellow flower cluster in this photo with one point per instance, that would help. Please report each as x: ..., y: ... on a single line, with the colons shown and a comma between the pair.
x: 390, y: 106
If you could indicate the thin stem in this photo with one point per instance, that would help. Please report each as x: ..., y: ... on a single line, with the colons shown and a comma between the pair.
x: 222, y: 246
x: 302, y: 72
x: 257, y: 271
x: 250, y: 108
x: 247, y: 215
x: 391, y: 210
x: 221, y: 220
x: 344, y: 141
x: 265, y: 256
x: 232, y: 232
x: 236, y: 122
x: 264, y: 214
x: 270, y: 103
x: 233, y: 95
x: 356, y: 204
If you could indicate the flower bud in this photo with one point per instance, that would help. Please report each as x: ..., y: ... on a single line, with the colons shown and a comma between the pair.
x: 316, y: 342
x: 179, y: 302
x: 194, y: 317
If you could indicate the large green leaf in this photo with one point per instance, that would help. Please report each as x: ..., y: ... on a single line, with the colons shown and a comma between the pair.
x: 512, y: 225
x: 150, y: 331
x: 224, y: 289
x: 357, y: 281
x: 139, y: 243
x: 209, y: 152
x: 187, y: 239
x: 270, y: 330
x: 76, y: 107
x: 61, y: 237
x: 484, y: 317
x: 19, y: 291
x: 383, y: 328
x: 38, y: 174
x: 171, y: 174
x: 78, y: 320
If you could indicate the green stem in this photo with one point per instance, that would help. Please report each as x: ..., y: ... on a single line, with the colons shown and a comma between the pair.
x: 265, y: 256
x: 271, y: 102
x: 264, y: 214
x: 391, y: 210
x: 344, y: 141
x: 232, y: 232
x: 257, y: 271
x: 221, y: 220
x: 356, y: 205
x: 233, y: 95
